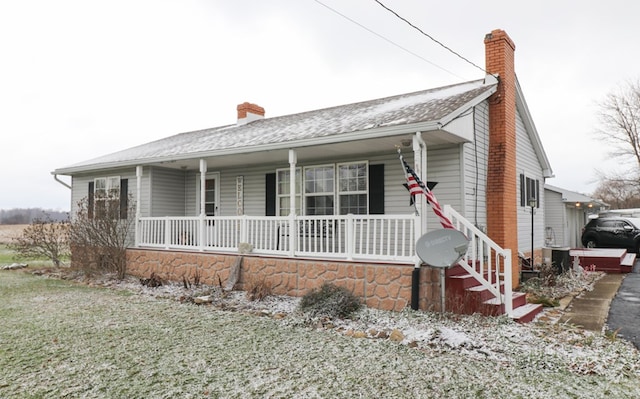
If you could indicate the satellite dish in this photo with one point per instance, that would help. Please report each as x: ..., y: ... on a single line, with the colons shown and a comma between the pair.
x: 442, y: 248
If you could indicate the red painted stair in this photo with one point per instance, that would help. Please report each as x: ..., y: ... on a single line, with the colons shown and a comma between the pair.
x: 465, y: 295
x: 609, y: 260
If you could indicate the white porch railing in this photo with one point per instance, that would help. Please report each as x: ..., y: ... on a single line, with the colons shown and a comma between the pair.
x: 366, y: 237
x: 348, y: 237
x: 485, y: 260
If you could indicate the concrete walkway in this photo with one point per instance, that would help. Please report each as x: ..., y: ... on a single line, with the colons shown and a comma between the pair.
x: 591, y: 309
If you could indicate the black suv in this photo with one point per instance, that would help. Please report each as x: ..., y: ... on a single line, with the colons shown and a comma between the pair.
x: 612, y: 232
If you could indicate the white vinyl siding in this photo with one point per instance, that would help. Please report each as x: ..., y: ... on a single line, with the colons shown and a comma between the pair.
x: 556, y: 222
x: 167, y: 192
x: 443, y: 167
x: 527, y: 163
x: 475, y: 165
x: 173, y: 192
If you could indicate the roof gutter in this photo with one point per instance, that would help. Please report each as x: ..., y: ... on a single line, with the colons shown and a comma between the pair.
x: 55, y: 177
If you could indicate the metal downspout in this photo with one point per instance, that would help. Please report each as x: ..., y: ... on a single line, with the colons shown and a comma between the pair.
x: 55, y: 177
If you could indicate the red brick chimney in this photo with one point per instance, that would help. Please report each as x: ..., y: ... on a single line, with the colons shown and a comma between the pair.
x: 248, y: 112
x: 502, y: 200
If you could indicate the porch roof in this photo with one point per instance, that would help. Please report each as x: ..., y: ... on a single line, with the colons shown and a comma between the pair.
x: 385, y: 117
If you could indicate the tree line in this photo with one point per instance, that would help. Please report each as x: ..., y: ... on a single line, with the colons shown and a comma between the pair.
x: 28, y: 215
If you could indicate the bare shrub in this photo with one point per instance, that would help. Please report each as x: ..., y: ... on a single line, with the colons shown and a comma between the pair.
x: 153, y: 281
x: 99, y: 235
x: 187, y: 283
x: 43, y: 238
x: 258, y: 288
x: 330, y: 301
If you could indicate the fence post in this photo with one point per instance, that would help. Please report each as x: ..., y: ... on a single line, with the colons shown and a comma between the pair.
x: 244, y: 232
x: 167, y: 232
x: 201, y: 232
x: 293, y: 233
x: 350, y: 238
x: 508, y: 288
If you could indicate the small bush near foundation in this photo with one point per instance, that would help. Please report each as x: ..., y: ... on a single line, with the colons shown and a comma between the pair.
x: 258, y: 288
x: 331, y: 301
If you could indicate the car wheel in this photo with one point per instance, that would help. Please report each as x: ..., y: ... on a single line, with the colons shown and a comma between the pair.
x: 591, y: 243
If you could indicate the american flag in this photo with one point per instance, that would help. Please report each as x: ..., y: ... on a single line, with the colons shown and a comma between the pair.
x: 416, y: 187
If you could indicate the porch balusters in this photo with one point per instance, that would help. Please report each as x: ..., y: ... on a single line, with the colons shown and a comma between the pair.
x: 348, y: 237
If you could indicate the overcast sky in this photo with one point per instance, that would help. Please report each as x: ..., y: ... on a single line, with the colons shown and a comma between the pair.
x: 83, y: 78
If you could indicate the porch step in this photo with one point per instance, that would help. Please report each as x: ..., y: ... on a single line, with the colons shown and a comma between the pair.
x: 527, y: 312
x: 609, y: 260
x: 466, y: 295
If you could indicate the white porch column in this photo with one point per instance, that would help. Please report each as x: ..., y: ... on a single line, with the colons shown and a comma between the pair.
x: 420, y: 166
x: 138, y: 197
x: 203, y: 191
x: 293, y: 159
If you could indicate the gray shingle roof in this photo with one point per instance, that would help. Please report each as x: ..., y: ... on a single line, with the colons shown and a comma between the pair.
x: 405, y: 109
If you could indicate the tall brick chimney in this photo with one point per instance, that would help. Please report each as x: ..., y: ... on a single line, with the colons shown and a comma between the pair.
x: 248, y: 112
x: 502, y: 200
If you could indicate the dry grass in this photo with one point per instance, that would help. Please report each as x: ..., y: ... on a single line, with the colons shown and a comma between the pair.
x: 64, y: 339
x: 8, y: 231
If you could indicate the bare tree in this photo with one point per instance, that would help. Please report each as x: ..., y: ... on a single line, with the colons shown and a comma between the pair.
x: 100, y: 232
x: 43, y: 238
x: 619, y: 117
x: 620, y: 123
x: 619, y: 194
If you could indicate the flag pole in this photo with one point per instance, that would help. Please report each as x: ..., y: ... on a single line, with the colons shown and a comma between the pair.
x: 402, y: 162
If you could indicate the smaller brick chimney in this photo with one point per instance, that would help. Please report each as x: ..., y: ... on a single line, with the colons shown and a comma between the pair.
x: 248, y: 112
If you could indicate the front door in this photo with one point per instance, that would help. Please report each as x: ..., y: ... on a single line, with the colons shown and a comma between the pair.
x: 211, y: 206
x: 210, y: 195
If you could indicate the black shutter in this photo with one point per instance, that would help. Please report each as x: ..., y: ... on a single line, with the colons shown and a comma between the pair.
x: 90, y: 201
x: 537, y: 193
x: 376, y: 189
x: 270, y: 194
x: 124, y: 198
x: 523, y: 191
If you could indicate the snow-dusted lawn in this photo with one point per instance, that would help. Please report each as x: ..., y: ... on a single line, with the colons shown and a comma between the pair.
x: 63, y: 339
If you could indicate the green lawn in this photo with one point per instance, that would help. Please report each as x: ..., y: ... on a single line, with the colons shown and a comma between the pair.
x: 7, y: 257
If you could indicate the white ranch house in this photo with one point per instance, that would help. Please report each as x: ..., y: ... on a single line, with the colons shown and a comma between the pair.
x: 206, y: 192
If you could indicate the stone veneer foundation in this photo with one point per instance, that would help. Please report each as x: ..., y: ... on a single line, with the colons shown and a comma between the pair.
x: 379, y: 285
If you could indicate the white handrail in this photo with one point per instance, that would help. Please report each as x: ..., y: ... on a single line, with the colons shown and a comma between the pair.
x: 486, y: 258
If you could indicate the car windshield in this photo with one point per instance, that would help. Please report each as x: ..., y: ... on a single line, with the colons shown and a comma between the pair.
x: 635, y: 222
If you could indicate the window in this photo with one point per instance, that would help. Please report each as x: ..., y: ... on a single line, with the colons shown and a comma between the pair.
x: 283, y: 190
x: 108, y: 195
x: 352, y: 188
x: 328, y: 190
x: 318, y: 190
x: 529, y: 189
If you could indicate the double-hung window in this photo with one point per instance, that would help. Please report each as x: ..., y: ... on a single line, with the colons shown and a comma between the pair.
x: 319, y: 182
x: 106, y: 195
x: 529, y: 191
x: 283, y: 189
x: 352, y: 188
